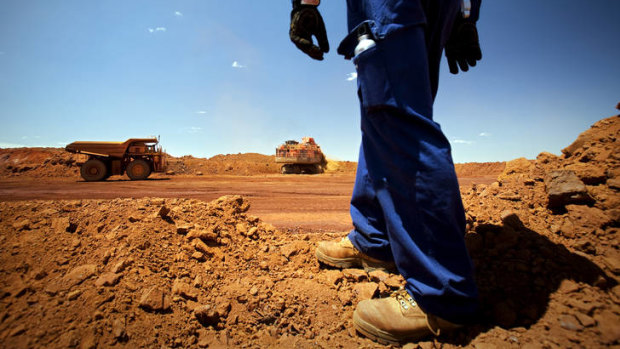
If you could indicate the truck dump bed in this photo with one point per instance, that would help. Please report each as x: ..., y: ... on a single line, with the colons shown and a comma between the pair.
x: 105, y: 149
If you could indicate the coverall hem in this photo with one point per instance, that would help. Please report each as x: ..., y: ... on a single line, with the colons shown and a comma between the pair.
x: 384, y: 255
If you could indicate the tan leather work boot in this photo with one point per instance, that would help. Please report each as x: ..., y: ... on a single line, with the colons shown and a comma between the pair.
x: 397, y: 319
x: 342, y: 254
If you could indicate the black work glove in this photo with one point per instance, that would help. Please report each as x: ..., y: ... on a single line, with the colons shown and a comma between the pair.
x: 463, y: 46
x: 306, y: 21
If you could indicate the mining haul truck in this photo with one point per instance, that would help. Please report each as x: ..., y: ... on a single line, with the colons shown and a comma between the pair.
x: 304, y: 157
x: 137, y: 157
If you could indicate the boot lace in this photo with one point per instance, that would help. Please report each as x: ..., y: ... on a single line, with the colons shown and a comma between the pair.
x: 404, y: 298
x: 406, y: 301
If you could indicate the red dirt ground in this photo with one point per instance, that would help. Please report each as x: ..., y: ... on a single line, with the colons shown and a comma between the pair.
x: 169, y: 263
x: 291, y: 202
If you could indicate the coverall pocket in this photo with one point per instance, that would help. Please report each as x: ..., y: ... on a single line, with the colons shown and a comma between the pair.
x: 372, y: 78
x: 394, y: 73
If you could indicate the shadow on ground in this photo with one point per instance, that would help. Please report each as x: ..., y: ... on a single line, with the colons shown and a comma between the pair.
x: 125, y: 180
x: 517, y: 270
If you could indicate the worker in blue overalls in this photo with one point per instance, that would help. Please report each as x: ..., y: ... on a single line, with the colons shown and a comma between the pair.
x: 406, y: 207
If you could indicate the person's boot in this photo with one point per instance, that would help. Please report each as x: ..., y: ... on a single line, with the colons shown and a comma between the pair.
x: 342, y: 254
x: 397, y: 319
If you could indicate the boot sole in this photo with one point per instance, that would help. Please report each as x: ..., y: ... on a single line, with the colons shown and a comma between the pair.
x: 354, y: 262
x: 383, y: 337
x: 386, y: 338
x: 342, y: 263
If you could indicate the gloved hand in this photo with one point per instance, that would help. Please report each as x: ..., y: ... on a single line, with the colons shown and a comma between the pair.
x: 463, y: 46
x: 306, y: 21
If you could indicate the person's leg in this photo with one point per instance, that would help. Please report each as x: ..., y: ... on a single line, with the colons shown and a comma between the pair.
x: 406, y: 204
x: 411, y: 168
x: 366, y: 246
x: 370, y: 233
x: 409, y: 165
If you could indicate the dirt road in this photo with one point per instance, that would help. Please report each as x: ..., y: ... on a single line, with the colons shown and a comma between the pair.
x: 297, y: 203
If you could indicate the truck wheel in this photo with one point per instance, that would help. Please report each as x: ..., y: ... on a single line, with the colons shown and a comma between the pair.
x: 138, y: 169
x: 93, y: 170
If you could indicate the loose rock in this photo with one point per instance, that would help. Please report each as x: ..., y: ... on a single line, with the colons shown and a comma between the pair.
x: 23, y: 224
x: 118, y: 330
x: 108, y: 279
x: 365, y: 290
x: 154, y: 299
x: 184, y: 290
x: 63, y: 225
x: 79, y: 274
x: 569, y: 322
x: 207, y: 315
x: 564, y: 188
x: 121, y: 265
x: 163, y: 212
x: 355, y: 274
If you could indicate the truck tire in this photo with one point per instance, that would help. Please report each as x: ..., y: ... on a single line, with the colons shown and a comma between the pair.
x: 138, y: 169
x: 93, y: 170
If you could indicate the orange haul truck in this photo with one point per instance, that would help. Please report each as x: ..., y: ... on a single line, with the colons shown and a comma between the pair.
x: 137, y: 157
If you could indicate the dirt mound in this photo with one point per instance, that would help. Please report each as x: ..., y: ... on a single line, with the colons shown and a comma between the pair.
x: 56, y: 162
x: 544, y: 240
x: 173, y: 273
x: 232, y: 164
x: 37, y: 162
x: 246, y: 164
x: 340, y: 166
x: 471, y: 169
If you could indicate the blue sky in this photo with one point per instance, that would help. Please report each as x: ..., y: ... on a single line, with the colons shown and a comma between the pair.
x: 216, y: 77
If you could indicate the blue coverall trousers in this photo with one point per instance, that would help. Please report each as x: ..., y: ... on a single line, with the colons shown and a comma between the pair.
x: 406, y: 205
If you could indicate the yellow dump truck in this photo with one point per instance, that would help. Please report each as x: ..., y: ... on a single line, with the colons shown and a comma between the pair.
x: 137, y: 157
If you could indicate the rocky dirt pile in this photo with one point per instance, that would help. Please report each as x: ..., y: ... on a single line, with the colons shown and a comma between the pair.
x: 340, y: 166
x: 232, y: 164
x: 37, y: 162
x: 473, y: 169
x: 168, y: 273
x: 544, y: 239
